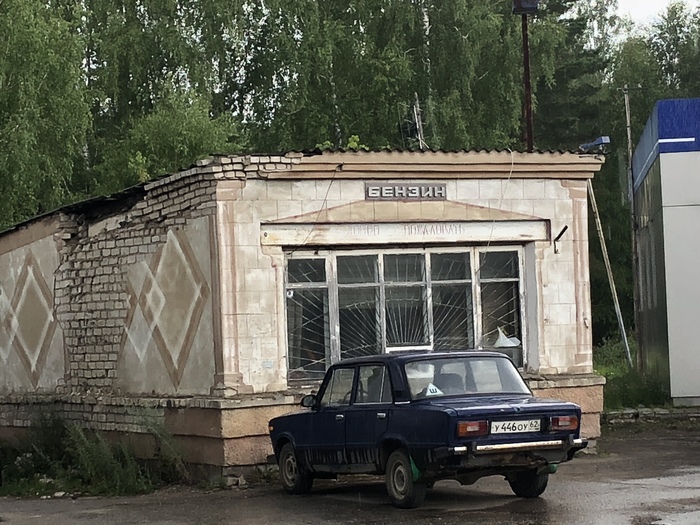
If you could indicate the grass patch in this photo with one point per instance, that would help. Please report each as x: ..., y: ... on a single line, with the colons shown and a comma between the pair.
x: 626, y: 387
x: 67, y: 458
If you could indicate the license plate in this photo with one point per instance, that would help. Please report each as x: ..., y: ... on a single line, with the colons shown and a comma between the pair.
x: 515, y: 427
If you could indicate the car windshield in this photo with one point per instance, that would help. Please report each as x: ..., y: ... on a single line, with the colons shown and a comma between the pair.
x: 453, y: 376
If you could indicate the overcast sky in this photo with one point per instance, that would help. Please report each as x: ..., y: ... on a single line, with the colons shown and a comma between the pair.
x: 644, y: 11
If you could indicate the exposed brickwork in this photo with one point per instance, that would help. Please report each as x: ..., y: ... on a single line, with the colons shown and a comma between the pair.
x: 116, y: 414
x: 91, y: 296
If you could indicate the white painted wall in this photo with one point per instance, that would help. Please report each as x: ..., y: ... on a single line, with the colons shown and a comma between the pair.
x: 680, y: 181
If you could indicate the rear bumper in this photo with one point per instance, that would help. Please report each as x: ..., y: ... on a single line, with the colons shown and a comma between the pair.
x: 576, y: 444
x: 553, y: 444
x: 552, y: 450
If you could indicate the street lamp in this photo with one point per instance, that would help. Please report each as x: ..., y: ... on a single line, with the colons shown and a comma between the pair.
x: 525, y: 8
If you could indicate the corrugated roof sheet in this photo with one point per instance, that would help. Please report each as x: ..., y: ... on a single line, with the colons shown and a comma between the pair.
x: 319, y: 151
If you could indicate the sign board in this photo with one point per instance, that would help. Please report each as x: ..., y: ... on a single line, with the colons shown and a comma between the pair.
x: 347, y: 234
x: 385, y: 191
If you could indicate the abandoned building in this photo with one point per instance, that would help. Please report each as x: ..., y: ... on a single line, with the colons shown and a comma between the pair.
x: 212, y: 299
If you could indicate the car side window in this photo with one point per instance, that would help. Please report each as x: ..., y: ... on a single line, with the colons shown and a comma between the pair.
x: 374, y: 385
x: 339, y: 388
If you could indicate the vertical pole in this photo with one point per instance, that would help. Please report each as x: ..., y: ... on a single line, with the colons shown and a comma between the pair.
x: 608, y: 268
x: 418, y: 115
x: 628, y: 117
x: 633, y: 220
x: 529, y: 133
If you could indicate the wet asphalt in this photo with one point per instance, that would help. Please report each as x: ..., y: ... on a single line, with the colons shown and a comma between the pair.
x: 643, y: 475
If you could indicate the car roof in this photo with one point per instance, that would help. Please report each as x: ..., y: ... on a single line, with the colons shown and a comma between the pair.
x: 412, y: 355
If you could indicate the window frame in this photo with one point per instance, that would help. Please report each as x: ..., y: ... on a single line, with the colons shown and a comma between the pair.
x: 333, y: 354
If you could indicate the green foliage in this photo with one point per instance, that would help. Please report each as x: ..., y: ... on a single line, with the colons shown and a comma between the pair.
x: 353, y: 144
x: 66, y: 458
x: 625, y: 387
x: 43, y: 108
x: 176, y: 133
x: 104, y: 468
x: 167, y: 466
x: 265, y: 475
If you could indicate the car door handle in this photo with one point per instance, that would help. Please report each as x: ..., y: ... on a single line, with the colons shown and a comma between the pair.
x: 381, y: 415
x: 339, y: 417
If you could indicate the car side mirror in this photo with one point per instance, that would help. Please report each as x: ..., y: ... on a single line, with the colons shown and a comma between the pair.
x: 308, y: 401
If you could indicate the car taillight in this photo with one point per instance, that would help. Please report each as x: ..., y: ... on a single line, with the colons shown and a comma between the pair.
x: 564, y: 423
x: 472, y: 428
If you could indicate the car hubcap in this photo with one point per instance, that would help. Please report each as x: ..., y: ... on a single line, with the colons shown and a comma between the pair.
x: 290, y: 468
x: 400, y: 479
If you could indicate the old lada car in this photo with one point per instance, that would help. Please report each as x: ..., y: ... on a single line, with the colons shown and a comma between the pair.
x: 422, y: 417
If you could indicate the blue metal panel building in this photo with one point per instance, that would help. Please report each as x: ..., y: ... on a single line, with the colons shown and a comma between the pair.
x: 666, y: 170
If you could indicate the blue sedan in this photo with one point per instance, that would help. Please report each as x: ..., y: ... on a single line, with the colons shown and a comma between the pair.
x: 422, y: 417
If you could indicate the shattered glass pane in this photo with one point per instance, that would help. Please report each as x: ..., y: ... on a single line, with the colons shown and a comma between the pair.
x: 306, y: 271
x: 500, y: 314
x: 453, y: 317
x: 409, y: 268
x: 498, y: 265
x: 406, y: 319
x: 359, y: 322
x: 450, y: 266
x: 357, y: 270
x: 307, y: 332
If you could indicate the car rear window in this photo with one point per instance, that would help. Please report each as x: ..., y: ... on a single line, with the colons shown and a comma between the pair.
x: 463, y: 376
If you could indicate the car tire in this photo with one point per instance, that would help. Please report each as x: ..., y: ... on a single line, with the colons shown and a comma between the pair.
x: 404, y: 492
x: 294, y: 477
x: 528, y: 484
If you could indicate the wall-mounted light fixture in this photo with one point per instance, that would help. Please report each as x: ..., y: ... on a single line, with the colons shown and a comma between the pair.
x: 558, y: 238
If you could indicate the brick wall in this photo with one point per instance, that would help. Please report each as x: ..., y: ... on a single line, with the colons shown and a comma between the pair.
x: 91, y: 296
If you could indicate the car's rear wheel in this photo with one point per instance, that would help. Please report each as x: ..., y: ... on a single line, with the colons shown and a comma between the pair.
x: 528, y: 484
x: 295, y: 479
x: 404, y: 492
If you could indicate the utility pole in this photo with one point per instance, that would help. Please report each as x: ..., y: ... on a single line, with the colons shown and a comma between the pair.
x: 529, y: 125
x: 633, y: 217
x: 525, y: 8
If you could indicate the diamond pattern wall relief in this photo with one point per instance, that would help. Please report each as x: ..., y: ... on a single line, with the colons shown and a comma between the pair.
x: 29, y: 321
x: 169, y: 303
x: 5, y: 309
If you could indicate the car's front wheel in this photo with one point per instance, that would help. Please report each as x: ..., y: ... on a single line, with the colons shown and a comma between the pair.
x: 295, y: 479
x: 404, y: 492
x: 528, y: 484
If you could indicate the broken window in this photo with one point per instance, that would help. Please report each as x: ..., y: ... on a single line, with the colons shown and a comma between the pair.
x: 405, y: 303
x: 353, y: 304
x: 499, y: 276
x: 308, y: 333
x: 453, y: 307
x: 358, y: 306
